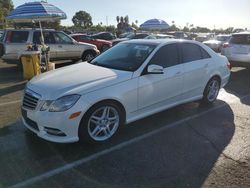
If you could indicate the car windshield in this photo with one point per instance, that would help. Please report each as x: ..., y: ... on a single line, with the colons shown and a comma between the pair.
x: 240, y: 39
x: 125, y: 56
x: 222, y: 38
x: 130, y: 36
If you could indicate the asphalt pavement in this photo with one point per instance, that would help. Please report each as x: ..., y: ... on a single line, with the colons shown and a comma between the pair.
x: 187, y: 146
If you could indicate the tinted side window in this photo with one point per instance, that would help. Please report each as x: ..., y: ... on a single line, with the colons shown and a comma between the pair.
x: 17, y: 36
x: 48, y: 37
x: 191, y: 52
x: 167, y: 56
x: 204, y: 53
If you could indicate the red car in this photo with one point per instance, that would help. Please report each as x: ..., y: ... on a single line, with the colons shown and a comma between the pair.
x: 102, y: 45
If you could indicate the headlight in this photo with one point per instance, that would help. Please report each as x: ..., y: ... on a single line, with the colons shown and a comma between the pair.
x: 62, y: 104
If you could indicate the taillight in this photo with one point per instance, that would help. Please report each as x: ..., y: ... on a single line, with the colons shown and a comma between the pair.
x: 226, y: 45
x: 229, y: 66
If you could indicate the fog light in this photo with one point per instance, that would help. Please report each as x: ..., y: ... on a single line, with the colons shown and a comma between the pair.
x: 55, y: 132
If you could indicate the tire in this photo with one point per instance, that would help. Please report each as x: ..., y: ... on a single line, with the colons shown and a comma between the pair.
x: 105, y: 47
x: 20, y: 65
x: 211, y: 91
x: 100, y: 123
x: 1, y: 50
x: 88, y: 56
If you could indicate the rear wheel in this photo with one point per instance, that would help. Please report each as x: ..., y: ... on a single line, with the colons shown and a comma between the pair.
x: 211, y: 91
x: 100, y: 123
x: 1, y: 50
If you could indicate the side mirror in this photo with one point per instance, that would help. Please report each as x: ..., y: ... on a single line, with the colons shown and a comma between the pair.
x: 155, y: 69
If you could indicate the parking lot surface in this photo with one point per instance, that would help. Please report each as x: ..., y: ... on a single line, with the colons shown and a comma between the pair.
x: 188, y: 146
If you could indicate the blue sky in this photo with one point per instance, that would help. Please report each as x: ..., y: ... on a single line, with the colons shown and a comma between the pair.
x: 207, y: 13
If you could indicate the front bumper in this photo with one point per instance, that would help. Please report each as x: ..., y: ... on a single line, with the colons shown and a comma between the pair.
x: 43, y: 124
x: 239, y: 58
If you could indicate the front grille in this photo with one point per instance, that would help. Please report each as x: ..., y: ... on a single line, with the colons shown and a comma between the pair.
x: 29, y: 122
x: 30, y: 100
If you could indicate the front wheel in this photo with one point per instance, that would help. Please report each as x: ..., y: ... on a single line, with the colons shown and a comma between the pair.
x: 105, y: 47
x: 100, y: 123
x: 211, y: 91
x: 88, y: 56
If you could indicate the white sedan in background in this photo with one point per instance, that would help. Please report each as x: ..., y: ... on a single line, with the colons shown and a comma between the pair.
x: 130, y: 81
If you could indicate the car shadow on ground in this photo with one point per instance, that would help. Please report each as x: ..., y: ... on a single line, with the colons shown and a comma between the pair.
x: 181, y: 156
x: 12, y: 89
x: 239, y: 82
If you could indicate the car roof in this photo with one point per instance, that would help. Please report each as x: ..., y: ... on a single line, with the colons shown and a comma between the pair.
x: 29, y: 29
x: 242, y: 33
x: 77, y: 34
x: 159, y: 41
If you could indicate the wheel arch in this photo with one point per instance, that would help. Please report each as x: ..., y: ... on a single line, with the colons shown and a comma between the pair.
x: 114, y: 101
x: 211, y: 77
x: 89, y: 51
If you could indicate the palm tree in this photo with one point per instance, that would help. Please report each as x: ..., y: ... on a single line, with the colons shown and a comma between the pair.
x: 117, y: 19
x: 126, y: 19
x: 121, y: 19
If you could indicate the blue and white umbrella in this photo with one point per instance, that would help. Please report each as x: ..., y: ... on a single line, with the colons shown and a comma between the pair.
x: 154, y: 24
x: 36, y: 12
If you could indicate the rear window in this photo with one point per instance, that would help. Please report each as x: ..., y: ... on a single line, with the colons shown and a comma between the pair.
x: 17, y: 36
x: 48, y: 37
x: 240, y: 39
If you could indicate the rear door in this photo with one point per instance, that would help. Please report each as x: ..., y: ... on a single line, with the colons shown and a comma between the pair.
x: 196, y: 66
x: 48, y: 40
x: 15, y: 43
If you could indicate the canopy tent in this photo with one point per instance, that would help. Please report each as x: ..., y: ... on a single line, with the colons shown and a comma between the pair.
x: 154, y: 24
x: 36, y: 12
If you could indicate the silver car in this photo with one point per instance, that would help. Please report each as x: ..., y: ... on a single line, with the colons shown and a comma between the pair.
x: 237, y: 50
x: 217, y: 43
x: 62, y: 46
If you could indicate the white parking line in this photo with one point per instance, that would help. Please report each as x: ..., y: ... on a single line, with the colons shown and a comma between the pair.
x: 114, y: 148
x: 12, y: 102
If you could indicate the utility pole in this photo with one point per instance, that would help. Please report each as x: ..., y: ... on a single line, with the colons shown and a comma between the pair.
x: 107, y: 21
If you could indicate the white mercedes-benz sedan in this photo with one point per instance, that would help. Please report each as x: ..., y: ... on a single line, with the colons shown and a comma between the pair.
x: 89, y: 101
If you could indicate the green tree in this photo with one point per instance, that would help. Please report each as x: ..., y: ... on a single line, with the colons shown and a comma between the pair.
x: 82, y: 19
x: 117, y: 19
x: 5, y: 7
x: 126, y: 19
x: 185, y: 29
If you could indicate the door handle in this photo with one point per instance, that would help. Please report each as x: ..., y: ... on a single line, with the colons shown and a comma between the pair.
x: 206, y: 66
x: 178, y: 73
x: 59, y: 46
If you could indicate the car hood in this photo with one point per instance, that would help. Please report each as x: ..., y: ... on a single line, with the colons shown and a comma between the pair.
x: 85, y: 44
x: 212, y: 42
x: 120, y: 40
x: 103, y: 41
x: 76, y: 79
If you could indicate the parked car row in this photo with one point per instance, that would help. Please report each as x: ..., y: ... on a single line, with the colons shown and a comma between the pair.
x: 217, y: 43
x: 102, y: 45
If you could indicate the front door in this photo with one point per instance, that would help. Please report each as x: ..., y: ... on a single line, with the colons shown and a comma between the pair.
x: 66, y: 49
x: 157, y: 90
